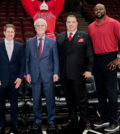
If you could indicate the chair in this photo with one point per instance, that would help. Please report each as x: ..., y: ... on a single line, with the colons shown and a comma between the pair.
x: 18, y: 29
x: 16, y: 23
x: 18, y: 35
x: 3, y: 18
x: 26, y: 24
x: 28, y: 29
x: 20, y: 40
x: 11, y: 14
x: 20, y: 14
x: 29, y: 35
x: 61, y: 29
x: 1, y: 35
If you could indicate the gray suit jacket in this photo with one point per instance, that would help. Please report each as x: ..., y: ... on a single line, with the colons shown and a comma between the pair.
x: 45, y: 66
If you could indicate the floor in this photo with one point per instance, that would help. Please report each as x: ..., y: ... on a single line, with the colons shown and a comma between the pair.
x: 26, y: 119
x: 27, y: 130
x: 61, y: 128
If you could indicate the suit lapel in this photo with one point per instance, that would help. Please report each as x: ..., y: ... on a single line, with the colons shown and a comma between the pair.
x: 76, y: 37
x: 14, y: 51
x: 64, y: 36
x: 5, y: 51
x: 35, y: 46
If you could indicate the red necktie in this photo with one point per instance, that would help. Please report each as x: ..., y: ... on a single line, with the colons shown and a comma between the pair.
x: 40, y: 47
x: 70, y: 36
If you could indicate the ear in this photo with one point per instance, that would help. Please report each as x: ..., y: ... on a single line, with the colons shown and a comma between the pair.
x: 4, y: 33
x: 105, y: 11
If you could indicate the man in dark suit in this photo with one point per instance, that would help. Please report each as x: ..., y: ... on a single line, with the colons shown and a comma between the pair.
x: 42, y: 70
x: 11, y: 73
x: 76, y: 63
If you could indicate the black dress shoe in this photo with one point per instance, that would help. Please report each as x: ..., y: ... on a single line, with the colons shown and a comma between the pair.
x: 112, y: 127
x: 2, y: 129
x: 87, y: 125
x: 51, y: 127
x: 36, y: 126
x: 101, y: 123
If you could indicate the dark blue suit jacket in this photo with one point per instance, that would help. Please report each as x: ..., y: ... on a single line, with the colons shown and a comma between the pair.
x: 10, y: 70
x: 45, y: 66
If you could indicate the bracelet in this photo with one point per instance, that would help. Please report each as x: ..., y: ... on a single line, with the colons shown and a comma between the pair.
x: 118, y: 55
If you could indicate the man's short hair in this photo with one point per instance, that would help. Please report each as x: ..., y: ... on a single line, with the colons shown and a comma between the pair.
x: 40, y: 20
x: 8, y: 26
x: 71, y: 15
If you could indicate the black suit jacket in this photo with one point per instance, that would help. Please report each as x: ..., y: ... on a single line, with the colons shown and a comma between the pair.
x: 10, y: 70
x: 75, y: 57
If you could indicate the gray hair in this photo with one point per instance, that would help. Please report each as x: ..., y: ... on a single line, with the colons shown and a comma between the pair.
x: 40, y: 20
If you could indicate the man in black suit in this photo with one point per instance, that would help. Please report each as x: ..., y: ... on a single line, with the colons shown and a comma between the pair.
x: 11, y: 73
x: 76, y: 63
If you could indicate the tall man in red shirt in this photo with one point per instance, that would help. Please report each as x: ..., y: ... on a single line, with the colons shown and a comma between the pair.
x: 105, y: 33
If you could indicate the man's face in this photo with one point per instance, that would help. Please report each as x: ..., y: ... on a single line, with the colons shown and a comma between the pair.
x: 71, y: 24
x: 9, y: 34
x: 99, y: 11
x: 40, y: 27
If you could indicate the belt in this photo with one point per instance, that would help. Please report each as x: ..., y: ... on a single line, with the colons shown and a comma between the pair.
x: 107, y: 53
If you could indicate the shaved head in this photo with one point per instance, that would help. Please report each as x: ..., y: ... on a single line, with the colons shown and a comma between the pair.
x: 100, y: 11
x: 100, y: 5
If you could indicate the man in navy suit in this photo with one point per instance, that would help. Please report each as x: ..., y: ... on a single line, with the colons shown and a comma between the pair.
x: 11, y: 73
x: 42, y: 68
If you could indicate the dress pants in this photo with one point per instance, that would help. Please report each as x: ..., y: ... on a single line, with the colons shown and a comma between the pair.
x: 106, y: 86
x: 76, y: 97
x: 11, y: 92
x: 48, y: 90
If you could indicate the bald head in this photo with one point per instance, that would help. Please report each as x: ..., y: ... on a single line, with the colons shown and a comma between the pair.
x: 99, y: 11
x: 100, y: 5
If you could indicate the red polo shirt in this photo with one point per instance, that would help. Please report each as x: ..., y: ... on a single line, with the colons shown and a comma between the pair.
x: 105, y: 36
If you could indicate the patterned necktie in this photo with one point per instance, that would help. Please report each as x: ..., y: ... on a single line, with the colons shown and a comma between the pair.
x: 70, y: 36
x: 9, y: 50
x: 40, y: 47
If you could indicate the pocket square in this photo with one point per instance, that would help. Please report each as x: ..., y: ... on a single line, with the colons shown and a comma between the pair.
x: 81, y: 40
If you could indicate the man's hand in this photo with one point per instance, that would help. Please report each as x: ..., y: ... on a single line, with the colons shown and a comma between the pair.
x: 113, y: 64
x: 0, y: 83
x: 18, y: 82
x: 28, y: 78
x: 87, y: 74
x: 55, y: 77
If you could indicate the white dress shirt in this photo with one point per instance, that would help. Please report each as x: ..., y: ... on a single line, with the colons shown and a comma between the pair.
x: 73, y: 33
x: 9, y: 48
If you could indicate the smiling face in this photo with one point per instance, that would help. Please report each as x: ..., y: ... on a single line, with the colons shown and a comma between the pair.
x: 100, y: 11
x: 40, y: 28
x: 71, y: 23
x: 9, y: 33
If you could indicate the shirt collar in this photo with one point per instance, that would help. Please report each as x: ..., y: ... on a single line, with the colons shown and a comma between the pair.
x: 43, y: 38
x: 6, y: 41
x: 73, y: 33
